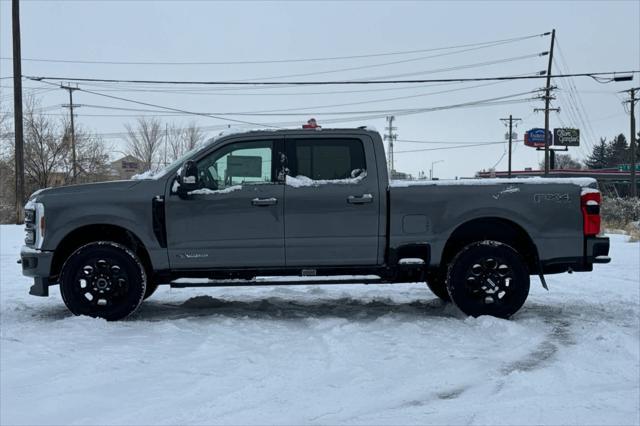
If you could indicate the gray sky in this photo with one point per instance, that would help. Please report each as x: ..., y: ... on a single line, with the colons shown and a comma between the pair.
x: 592, y: 36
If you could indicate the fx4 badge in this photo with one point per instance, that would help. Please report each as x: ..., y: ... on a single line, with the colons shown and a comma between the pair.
x: 557, y: 197
x: 192, y: 255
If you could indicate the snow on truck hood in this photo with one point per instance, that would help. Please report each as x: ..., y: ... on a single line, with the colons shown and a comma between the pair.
x: 581, y: 182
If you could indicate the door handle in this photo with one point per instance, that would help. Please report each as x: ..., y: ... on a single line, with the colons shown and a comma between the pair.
x: 362, y: 199
x: 264, y: 201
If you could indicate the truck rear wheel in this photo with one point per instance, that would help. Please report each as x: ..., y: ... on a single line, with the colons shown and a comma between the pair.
x: 103, y: 279
x: 151, y: 288
x: 436, y: 281
x: 488, y: 278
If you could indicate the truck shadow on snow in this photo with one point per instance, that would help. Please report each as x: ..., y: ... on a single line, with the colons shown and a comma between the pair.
x: 278, y: 308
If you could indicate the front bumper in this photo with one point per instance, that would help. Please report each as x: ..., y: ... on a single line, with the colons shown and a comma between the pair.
x: 36, y: 264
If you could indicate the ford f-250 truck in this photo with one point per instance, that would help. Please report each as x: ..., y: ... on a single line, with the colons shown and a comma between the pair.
x: 311, y: 203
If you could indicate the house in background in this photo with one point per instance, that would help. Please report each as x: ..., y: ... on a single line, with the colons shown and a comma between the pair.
x: 125, y: 167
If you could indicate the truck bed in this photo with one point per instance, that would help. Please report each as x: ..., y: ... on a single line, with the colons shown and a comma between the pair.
x: 548, y: 210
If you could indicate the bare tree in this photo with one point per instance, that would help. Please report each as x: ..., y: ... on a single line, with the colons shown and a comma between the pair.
x: 7, y: 176
x: 564, y: 162
x: 47, y: 151
x: 44, y: 149
x: 174, y: 143
x: 92, y: 156
x: 192, y: 136
x: 144, y: 141
x: 182, y: 140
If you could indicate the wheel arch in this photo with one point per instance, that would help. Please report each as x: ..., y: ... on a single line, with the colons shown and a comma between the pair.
x: 98, y: 232
x: 492, y: 228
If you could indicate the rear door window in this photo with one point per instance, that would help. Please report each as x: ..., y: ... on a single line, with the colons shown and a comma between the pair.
x: 326, y: 159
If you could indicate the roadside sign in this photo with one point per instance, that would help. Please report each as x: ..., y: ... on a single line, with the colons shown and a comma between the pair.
x: 627, y: 167
x: 535, y: 138
x: 566, y: 137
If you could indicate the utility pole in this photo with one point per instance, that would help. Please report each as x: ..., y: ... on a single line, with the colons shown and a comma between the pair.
x: 73, y: 132
x: 17, y: 110
x: 166, y: 142
x: 510, y: 136
x: 391, y: 137
x: 547, y: 100
x: 632, y: 124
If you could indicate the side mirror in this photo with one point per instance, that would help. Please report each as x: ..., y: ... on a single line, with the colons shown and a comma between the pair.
x: 188, y: 178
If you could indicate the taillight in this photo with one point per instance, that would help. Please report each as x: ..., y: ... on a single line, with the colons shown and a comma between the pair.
x: 590, y: 204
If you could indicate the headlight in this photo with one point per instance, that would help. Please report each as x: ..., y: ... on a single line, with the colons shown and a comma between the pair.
x: 29, y: 216
x: 34, y: 224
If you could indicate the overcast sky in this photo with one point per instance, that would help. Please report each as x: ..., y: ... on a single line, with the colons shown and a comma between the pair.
x: 592, y: 36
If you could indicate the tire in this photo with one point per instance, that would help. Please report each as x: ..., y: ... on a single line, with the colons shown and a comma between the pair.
x: 488, y: 278
x: 151, y: 288
x: 436, y: 282
x: 103, y: 279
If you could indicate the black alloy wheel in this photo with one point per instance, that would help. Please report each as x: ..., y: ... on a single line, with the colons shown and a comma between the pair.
x: 488, y: 278
x: 103, y: 279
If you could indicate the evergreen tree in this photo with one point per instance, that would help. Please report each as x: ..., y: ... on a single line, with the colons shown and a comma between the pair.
x: 599, y: 156
x: 618, y: 151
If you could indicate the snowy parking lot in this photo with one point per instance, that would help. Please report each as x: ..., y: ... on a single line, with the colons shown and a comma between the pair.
x: 353, y: 354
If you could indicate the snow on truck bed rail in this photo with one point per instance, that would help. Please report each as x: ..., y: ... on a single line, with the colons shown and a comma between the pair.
x: 582, y: 182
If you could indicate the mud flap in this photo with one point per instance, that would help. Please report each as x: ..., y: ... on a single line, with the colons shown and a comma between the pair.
x: 544, y: 283
x: 541, y: 275
x: 40, y: 287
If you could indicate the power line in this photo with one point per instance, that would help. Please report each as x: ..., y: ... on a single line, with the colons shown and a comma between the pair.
x: 396, y: 98
x: 442, y: 142
x: 237, y: 91
x: 577, y: 99
x: 325, y: 82
x: 278, y: 61
x: 361, y: 67
x: 352, y: 119
x: 453, y: 147
x: 170, y: 108
x: 293, y: 112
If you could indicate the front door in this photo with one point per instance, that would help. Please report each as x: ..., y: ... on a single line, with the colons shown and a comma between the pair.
x: 236, y: 219
x: 332, y: 202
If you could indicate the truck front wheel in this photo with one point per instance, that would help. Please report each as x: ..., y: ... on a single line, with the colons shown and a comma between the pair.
x: 488, y: 278
x: 103, y: 279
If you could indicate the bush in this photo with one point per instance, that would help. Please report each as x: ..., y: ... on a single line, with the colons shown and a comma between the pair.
x: 620, y: 213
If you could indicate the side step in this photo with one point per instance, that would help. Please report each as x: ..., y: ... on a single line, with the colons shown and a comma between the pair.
x: 272, y: 281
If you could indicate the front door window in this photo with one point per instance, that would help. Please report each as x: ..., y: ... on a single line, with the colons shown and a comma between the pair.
x: 237, y: 164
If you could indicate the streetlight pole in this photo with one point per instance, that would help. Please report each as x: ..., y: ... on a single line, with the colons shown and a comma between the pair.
x: 431, y: 169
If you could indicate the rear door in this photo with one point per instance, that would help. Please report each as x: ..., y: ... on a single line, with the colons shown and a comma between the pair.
x: 236, y: 219
x: 332, y: 201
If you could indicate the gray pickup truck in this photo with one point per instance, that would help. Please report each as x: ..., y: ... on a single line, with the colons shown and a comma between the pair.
x: 313, y: 203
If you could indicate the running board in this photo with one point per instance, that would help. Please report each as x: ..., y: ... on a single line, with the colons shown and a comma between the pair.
x: 195, y: 282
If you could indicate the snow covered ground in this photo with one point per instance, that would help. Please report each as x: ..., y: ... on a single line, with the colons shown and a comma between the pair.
x: 351, y: 354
